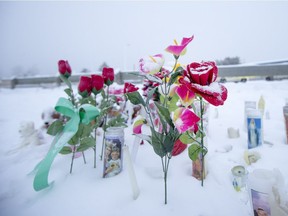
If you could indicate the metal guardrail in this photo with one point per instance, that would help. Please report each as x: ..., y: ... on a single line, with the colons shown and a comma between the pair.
x: 236, y: 72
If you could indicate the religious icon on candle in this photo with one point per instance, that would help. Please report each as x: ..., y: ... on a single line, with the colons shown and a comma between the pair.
x: 254, y: 124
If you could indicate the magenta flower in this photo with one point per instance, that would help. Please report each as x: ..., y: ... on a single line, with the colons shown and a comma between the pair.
x: 184, y: 119
x: 200, y: 78
x: 85, y: 86
x: 178, y: 49
x: 108, y: 75
x: 64, y: 68
x: 138, y: 123
x: 151, y: 64
x: 185, y: 94
x: 129, y: 87
x: 97, y: 83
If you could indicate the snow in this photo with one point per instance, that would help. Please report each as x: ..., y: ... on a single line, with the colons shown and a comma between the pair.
x: 85, y: 192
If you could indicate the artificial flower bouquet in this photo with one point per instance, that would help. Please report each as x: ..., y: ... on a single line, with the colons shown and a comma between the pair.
x: 169, y: 102
x: 82, y: 116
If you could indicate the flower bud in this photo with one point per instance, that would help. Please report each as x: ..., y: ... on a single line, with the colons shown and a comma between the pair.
x: 64, y: 68
x: 97, y: 83
x: 108, y: 75
x: 85, y: 86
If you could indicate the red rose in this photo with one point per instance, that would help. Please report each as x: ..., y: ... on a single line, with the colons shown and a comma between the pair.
x: 200, y: 78
x: 64, y: 68
x: 97, y: 83
x: 178, y: 148
x: 129, y: 87
x: 108, y: 75
x: 85, y: 86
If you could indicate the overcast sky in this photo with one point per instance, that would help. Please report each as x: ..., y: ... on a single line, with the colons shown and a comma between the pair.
x: 35, y: 35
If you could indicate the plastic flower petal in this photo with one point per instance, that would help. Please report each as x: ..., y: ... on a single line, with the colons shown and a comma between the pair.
x: 64, y: 68
x: 216, y: 94
x: 178, y: 148
x: 129, y: 87
x: 185, y: 94
x: 85, y: 86
x: 138, y: 123
x: 97, y: 83
x: 200, y: 78
x: 203, y: 73
x: 108, y: 75
x: 178, y: 49
x: 184, y: 119
x: 151, y: 64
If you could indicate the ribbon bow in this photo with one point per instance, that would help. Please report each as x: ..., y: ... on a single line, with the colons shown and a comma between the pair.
x: 83, y: 114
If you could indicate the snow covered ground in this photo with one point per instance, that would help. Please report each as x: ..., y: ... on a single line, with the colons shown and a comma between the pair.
x: 86, y: 193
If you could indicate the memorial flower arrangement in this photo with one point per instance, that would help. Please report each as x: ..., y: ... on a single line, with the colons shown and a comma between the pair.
x: 169, y: 102
x: 81, y: 116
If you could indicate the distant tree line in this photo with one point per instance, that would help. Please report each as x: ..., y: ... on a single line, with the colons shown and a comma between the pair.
x: 229, y: 61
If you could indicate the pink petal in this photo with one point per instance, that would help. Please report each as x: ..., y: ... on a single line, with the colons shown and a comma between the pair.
x: 219, y: 99
x: 185, y: 41
x: 177, y: 49
x: 186, y: 95
x: 184, y: 119
x: 137, y: 129
x: 138, y: 123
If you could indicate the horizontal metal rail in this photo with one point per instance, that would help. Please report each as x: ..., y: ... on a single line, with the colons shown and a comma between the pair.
x: 226, y: 73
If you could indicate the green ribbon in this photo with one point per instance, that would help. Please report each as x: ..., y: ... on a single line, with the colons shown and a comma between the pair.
x: 83, y: 114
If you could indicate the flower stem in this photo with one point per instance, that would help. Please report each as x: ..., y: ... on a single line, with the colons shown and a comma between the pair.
x: 73, y: 156
x: 165, y: 166
x: 104, y: 125
x: 84, y: 157
x: 202, y: 140
x: 95, y: 136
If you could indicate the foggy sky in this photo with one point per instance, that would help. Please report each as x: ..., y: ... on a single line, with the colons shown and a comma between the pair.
x: 35, y: 35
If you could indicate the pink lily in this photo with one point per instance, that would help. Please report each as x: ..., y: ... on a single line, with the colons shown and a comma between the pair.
x: 184, y: 119
x: 186, y: 95
x: 138, y: 123
x: 178, y: 49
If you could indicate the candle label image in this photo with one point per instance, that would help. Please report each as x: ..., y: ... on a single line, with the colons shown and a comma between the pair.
x: 113, y: 157
x: 254, y: 130
x: 260, y: 203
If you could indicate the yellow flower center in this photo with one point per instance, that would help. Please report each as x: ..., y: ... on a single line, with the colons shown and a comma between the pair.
x: 153, y: 59
x: 175, y: 42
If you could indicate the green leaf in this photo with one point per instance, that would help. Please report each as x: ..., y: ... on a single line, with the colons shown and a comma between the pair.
x: 55, y: 127
x: 86, y: 143
x: 118, y: 121
x: 187, y: 138
x: 194, y: 150
x: 150, y: 95
x: 74, y: 140
x: 68, y: 91
x: 135, y: 98
x: 172, y: 103
x: 144, y: 137
x: 169, y: 143
x: 65, y: 150
x: 84, y: 130
x: 66, y: 81
x: 157, y: 144
x: 165, y: 113
x: 153, y: 78
x: 174, y: 75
